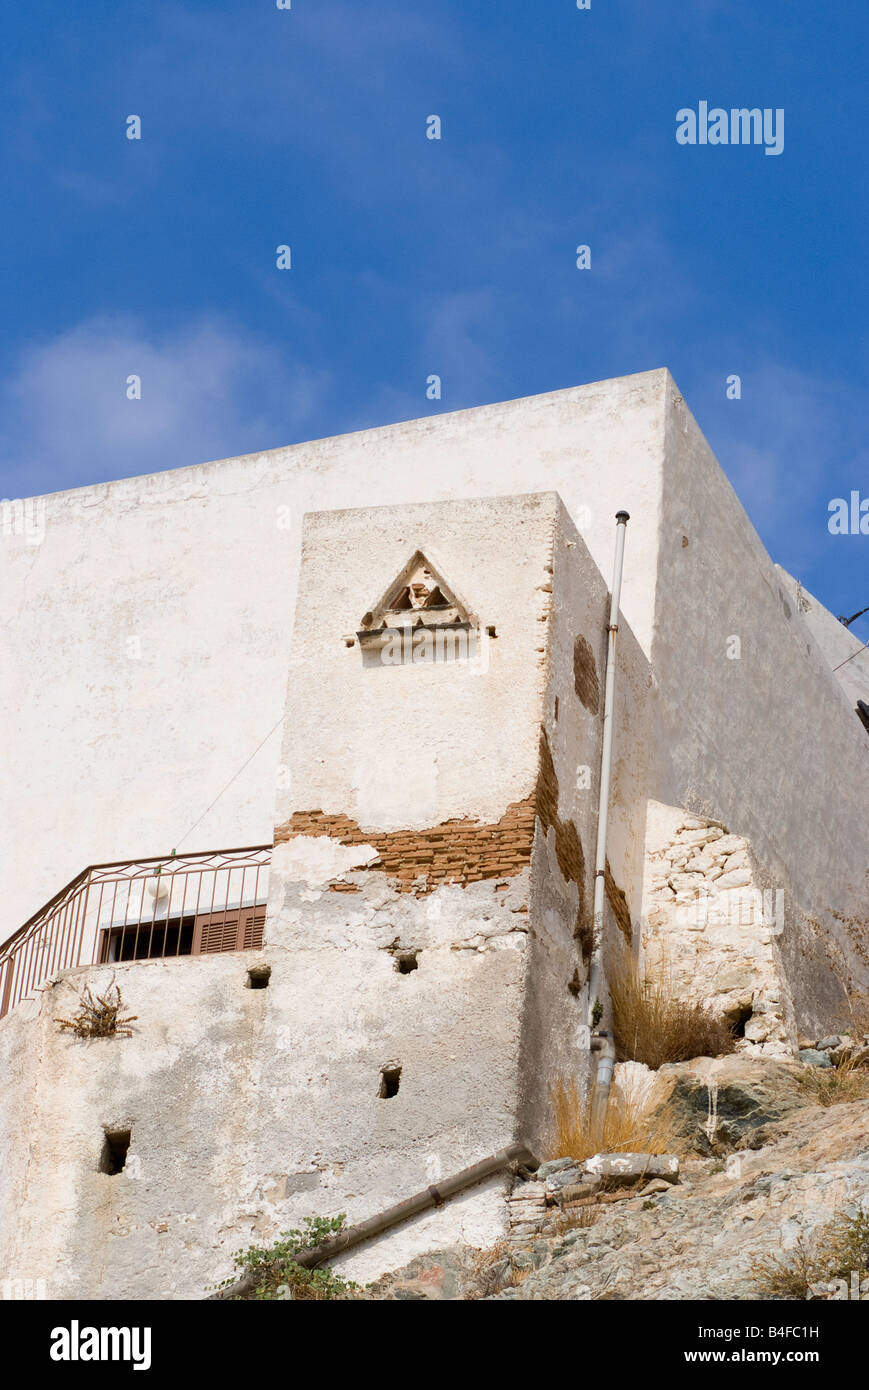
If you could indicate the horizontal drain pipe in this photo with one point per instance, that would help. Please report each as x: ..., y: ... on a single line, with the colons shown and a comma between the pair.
x: 433, y: 1196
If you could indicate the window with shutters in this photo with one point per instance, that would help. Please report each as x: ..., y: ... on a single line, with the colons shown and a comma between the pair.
x: 206, y: 933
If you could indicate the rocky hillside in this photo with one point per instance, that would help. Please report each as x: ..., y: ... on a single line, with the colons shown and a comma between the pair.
x: 768, y: 1163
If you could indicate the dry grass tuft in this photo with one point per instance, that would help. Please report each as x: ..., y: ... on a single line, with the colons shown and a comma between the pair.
x: 628, y: 1127
x: 493, y: 1270
x: 100, y: 1016
x: 856, y: 1021
x: 578, y: 1218
x: 785, y: 1278
x: 835, y: 1085
x: 651, y: 1025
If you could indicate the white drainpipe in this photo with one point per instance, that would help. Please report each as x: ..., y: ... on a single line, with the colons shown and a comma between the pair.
x: 602, y: 1045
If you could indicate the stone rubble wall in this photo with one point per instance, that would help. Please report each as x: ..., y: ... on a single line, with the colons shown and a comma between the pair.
x: 711, y: 929
x: 526, y: 1210
x: 563, y: 1187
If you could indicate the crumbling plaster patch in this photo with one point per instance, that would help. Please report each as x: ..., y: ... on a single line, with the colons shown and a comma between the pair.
x: 379, y: 916
x: 315, y: 859
x: 568, y: 846
x: 585, y: 681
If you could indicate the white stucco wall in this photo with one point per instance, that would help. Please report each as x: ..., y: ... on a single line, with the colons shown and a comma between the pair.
x: 114, y: 749
x: 847, y: 655
x: 399, y: 746
x: 767, y: 744
x: 555, y: 1035
x: 249, y: 1109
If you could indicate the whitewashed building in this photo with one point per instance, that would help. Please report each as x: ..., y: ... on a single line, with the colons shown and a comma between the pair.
x: 303, y: 750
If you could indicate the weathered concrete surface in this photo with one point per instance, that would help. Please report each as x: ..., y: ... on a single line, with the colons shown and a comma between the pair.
x: 625, y: 1168
x: 758, y: 737
x: 249, y: 1109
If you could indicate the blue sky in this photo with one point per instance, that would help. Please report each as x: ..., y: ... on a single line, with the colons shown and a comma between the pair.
x: 411, y: 256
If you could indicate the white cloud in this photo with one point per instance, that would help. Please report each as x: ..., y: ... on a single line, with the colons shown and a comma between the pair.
x: 208, y: 390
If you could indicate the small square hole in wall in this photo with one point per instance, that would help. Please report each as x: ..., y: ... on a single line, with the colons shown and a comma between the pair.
x: 490, y: 632
x: 406, y: 961
x: 258, y: 977
x: 114, y: 1155
x: 390, y: 1076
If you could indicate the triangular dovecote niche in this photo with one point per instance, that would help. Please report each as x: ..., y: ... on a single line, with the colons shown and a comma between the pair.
x: 418, y: 605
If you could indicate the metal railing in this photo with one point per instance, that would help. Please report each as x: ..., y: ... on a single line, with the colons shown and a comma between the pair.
x: 143, y: 909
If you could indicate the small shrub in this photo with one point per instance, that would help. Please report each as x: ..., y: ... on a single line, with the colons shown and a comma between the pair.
x: 846, y: 1246
x: 578, y: 1218
x: 651, y: 1025
x: 627, y: 1128
x: 273, y: 1267
x: 100, y: 1016
x: 841, y: 1248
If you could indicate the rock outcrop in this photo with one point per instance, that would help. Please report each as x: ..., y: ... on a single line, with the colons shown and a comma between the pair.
x: 775, y: 1172
x: 702, y: 1238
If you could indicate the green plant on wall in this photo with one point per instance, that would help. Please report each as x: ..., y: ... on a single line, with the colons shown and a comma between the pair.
x: 276, y: 1273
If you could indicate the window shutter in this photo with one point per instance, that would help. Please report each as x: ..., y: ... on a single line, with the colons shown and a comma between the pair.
x: 252, y: 928
x: 236, y: 930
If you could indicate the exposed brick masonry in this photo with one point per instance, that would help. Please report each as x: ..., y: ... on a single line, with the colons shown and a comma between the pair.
x: 619, y: 904
x: 456, y: 851
x: 585, y: 675
x: 460, y: 850
x: 568, y: 846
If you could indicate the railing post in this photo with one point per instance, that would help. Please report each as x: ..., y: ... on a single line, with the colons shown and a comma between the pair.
x: 7, y: 986
x: 84, y: 920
